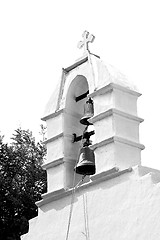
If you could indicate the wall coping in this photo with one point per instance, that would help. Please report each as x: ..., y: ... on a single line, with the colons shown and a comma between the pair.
x: 61, y: 193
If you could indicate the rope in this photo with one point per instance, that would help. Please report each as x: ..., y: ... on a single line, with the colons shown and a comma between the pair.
x: 72, y: 201
x: 73, y: 194
x: 86, y: 216
x: 71, y: 208
x: 92, y: 69
x: 85, y: 220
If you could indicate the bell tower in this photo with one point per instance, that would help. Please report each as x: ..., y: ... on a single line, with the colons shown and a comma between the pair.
x: 115, y: 193
x: 115, y: 119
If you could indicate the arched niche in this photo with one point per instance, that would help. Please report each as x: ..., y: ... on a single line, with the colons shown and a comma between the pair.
x: 74, y: 110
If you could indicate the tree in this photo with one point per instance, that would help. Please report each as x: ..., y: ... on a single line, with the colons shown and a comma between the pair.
x: 22, y: 181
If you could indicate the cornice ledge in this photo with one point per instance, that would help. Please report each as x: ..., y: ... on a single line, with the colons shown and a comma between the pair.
x: 129, y: 142
x: 61, y: 193
x: 53, y: 138
x: 52, y: 115
x: 55, y: 114
x: 125, y: 89
x: 102, y: 143
x: 53, y: 163
x: 111, y: 111
x: 110, y: 87
x: 101, y: 91
x: 117, y: 139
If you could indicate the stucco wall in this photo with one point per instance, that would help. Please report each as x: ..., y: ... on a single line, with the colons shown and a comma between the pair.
x: 125, y: 207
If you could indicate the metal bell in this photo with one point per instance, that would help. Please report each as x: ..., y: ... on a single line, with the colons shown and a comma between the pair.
x: 86, y: 163
x: 88, y: 112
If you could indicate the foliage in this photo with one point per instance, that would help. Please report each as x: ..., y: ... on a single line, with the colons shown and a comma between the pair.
x: 22, y: 181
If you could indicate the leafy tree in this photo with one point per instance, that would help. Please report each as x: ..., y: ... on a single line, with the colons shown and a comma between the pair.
x: 22, y: 181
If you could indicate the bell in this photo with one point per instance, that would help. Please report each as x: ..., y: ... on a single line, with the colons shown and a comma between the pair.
x: 86, y: 163
x: 88, y: 112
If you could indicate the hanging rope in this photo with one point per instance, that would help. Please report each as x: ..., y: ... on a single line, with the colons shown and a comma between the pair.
x: 85, y: 210
x: 72, y: 201
x: 73, y: 192
x: 71, y: 209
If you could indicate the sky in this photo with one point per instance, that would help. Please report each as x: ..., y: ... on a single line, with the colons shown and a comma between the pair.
x: 38, y: 38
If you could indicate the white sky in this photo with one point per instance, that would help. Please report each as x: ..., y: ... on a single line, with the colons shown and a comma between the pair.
x: 38, y: 38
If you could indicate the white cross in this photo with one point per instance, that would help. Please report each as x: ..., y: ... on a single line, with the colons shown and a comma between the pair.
x: 87, y: 38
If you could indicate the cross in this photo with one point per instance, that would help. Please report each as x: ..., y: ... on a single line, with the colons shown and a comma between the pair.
x: 87, y: 38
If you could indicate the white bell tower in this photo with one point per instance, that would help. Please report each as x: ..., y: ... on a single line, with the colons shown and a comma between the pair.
x: 115, y: 119
x: 121, y: 200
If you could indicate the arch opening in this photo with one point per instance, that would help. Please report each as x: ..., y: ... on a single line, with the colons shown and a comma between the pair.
x: 74, y: 110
